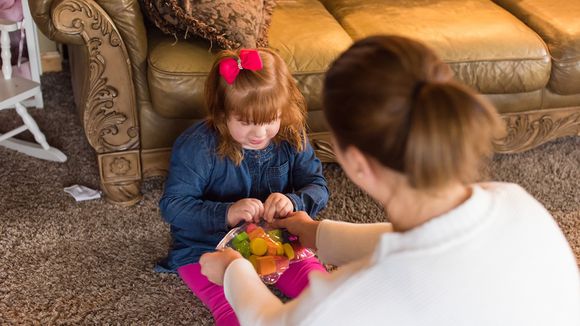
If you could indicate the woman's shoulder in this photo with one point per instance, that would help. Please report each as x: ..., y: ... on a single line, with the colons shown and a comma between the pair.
x: 505, y: 189
x: 514, y: 198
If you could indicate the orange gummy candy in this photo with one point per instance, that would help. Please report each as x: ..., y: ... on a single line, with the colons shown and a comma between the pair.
x: 272, y: 248
x: 271, y: 264
x: 282, y: 263
x: 257, y: 233
x: 266, y: 265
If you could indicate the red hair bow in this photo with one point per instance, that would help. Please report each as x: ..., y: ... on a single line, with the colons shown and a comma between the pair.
x: 248, y: 59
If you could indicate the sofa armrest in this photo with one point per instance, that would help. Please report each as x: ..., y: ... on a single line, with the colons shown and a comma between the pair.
x: 40, y: 11
x: 125, y: 16
x: 113, y: 48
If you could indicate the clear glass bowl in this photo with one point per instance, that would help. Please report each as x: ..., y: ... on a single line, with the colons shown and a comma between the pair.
x: 271, y: 251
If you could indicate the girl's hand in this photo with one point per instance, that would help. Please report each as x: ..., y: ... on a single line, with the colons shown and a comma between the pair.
x: 214, y: 264
x: 301, y: 225
x: 247, y: 209
x: 277, y: 205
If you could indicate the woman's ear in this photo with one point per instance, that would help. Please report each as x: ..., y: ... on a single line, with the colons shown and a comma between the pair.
x: 359, y: 163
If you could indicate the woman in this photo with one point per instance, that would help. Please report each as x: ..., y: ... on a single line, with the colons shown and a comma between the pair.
x: 455, y: 252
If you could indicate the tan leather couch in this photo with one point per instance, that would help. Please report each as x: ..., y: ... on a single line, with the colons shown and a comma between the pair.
x: 137, y: 90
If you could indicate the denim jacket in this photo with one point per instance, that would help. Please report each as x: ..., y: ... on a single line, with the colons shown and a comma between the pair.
x: 201, y: 186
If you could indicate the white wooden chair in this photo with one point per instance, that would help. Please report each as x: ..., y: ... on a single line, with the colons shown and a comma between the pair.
x: 14, y: 90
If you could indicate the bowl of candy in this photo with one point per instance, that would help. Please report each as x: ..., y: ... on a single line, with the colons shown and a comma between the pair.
x: 270, y: 250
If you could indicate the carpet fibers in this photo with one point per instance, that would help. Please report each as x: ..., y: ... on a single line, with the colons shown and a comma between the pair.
x: 64, y: 262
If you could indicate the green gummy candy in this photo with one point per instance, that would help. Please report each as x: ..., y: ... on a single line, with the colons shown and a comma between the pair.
x: 242, y: 236
x: 237, y: 243
x: 276, y: 234
x: 244, y: 249
x: 239, y: 238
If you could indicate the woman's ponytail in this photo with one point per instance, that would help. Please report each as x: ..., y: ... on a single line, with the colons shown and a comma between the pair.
x: 450, y: 131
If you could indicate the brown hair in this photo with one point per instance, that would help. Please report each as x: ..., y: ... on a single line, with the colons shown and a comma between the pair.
x: 255, y: 97
x: 396, y: 101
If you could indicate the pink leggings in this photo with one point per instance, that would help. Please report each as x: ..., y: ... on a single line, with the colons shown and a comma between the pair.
x: 291, y: 284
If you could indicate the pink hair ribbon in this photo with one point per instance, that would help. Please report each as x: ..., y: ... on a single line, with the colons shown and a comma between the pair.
x: 248, y: 59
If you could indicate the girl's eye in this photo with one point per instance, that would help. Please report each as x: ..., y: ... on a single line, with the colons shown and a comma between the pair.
x: 243, y: 123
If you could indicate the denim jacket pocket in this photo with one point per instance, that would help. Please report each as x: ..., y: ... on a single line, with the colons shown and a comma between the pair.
x: 278, y: 177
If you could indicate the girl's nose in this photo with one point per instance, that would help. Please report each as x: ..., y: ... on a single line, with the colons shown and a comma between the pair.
x: 260, y: 131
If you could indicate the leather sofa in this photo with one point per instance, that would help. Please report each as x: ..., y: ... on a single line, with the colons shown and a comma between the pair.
x: 137, y: 89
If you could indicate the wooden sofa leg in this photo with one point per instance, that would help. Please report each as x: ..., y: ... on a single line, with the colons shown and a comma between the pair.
x: 121, y: 177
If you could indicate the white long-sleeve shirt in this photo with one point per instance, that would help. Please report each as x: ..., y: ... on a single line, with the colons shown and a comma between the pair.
x: 497, y: 259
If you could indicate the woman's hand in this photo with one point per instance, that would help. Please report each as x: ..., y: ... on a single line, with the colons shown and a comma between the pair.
x: 301, y: 225
x: 277, y: 205
x: 214, y: 264
x: 247, y: 210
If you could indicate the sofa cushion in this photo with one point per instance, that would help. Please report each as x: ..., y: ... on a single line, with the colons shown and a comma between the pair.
x: 558, y: 23
x: 484, y: 44
x: 229, y: 23
x: 177, y: 70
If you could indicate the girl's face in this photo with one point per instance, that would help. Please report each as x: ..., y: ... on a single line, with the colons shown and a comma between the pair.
x: 250, y: 135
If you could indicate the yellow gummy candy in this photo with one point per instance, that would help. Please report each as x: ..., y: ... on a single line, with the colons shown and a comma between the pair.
x: 258, y: 246
x: 254, y: 260
x: 288, y: 251
x: 279, y: 249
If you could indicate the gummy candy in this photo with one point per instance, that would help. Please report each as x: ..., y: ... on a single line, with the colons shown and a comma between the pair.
x: 271, y: 264
x: 256, y: 233
x: 250, y: 227
x: 270, y: 251
x: 279, y: 249
x: 266, y: 265
x: 288, y: 250
x: 243, y: 247
x: 241, y: 236
x: 258, y: 246
x: 276, y: 235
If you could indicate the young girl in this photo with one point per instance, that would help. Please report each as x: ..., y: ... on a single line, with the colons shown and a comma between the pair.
x: 456, y: 252
x: 249, y: 160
